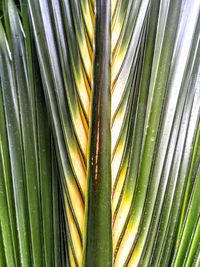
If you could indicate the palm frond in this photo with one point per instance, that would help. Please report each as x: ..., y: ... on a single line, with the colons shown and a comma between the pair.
x: 151, y: 93
x: 121, y: 84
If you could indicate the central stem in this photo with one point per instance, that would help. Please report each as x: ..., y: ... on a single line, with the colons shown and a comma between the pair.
x: 98, y: 236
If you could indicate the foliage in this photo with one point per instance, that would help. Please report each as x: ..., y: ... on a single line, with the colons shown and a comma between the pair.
x: 100, y: 105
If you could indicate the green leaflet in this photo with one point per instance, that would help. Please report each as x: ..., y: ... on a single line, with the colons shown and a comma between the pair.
x: 26, y: 177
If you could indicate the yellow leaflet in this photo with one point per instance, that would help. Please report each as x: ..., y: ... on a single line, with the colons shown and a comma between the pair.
x: 118, y: 189
x: 81, y: 132
x: 76, y: 201
x: 126, y: 244
x: 120, y: 220
x: 88, y: 18
x: 71, y: 257
x: 86, y: 59
x: 78, y: 166
x: 135, y: 257
x: 118, y: 59
x: 115, y: 34
x: 117, y: 160
x: 118, y: 91
x: 113, y: 6
x: 74, y: 234
x: 83, y: 93
x: 117, y: 126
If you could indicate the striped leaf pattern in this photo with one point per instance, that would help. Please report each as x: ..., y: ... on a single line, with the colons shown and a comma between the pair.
x: 29, y: 219
x: 121, y: 80
x: 153, y: 92
x: 66, y: 67
x: 153, y: 189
